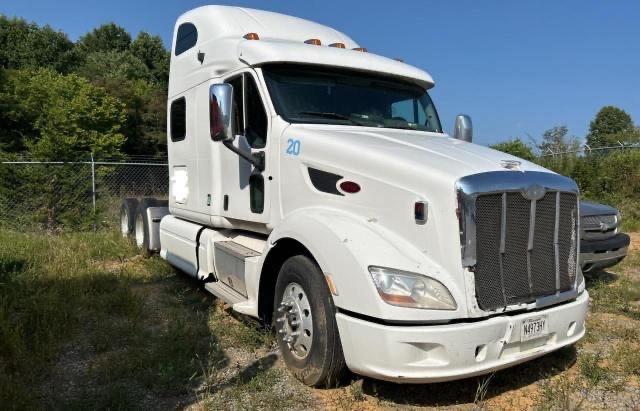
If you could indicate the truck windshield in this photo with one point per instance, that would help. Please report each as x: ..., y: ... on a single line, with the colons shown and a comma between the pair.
x: 313, y: 94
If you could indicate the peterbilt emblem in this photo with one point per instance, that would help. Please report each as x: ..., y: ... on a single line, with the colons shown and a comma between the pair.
x: 534, y: 192
x: 510, y: 164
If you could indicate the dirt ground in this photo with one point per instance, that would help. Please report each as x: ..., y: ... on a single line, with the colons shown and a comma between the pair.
x: 137, y: 334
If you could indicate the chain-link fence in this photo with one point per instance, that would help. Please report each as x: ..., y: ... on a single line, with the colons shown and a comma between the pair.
x: 74, y: 195
x: 585, y: 149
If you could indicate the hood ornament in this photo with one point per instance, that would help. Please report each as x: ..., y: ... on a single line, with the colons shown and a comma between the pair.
x: 511, y: 164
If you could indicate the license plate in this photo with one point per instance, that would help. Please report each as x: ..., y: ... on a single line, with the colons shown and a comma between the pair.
x: 534, y: 328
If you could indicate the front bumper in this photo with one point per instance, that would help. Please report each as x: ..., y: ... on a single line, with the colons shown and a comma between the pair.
x: 434, y: 353
x: 600, y: 254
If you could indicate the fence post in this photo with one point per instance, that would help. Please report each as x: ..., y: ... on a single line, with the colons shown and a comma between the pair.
x: 93, y: 189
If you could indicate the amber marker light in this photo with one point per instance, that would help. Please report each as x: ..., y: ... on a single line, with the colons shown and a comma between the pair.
x: 252, y: 36
x: 315, y: 42
x: 362, y: 49
x: 337, y: 45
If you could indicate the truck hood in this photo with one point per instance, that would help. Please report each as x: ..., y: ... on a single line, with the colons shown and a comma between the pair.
x: 438, y: 153
x: 395, y: 168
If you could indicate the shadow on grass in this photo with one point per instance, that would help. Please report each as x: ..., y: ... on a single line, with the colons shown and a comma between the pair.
x: 468, y: 390
x: 10, y: 266
x: 103, y: 340
x: 598, y: 277
x: 251, y: 371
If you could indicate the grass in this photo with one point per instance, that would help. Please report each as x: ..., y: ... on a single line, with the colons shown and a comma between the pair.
x: 86, y: 323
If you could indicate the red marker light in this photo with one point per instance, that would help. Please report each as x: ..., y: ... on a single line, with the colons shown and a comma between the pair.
x: 420, y: 211
x: 349, y: 187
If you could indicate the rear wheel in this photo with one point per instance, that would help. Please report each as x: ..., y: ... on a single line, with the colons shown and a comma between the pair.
x: 142, y: 228
x: 306, y: 327
x: 128, y: 216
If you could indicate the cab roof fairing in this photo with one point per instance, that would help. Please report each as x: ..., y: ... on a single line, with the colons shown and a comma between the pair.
x: 220, y: 38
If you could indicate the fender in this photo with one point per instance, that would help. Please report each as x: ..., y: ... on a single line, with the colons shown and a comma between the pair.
x: 345, y: 245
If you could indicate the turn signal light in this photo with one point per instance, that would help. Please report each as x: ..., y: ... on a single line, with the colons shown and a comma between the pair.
x: 362, y: 49
x: 252, y: 36
x: 315, y: 42
x: 337, y: 45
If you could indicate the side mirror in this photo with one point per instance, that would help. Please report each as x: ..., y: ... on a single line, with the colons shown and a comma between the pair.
x: 463, y: 129
x: 221, y: 112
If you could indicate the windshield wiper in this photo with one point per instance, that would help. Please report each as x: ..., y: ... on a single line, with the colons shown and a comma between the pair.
x: 402, y: 127
x: 336, y: 116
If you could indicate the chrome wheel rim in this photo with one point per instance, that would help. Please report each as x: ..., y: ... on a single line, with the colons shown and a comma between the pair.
x: 124, y: 223
x: 139, y: 231
x: 294, y: 321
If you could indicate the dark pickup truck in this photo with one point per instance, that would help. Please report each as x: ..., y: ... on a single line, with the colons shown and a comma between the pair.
x: 602, y: 245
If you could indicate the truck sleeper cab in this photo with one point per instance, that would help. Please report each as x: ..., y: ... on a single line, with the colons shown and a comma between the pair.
x: 312, y: 186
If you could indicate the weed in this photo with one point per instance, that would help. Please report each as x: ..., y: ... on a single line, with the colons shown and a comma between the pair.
x: 560, y: 393
x: 356, y: 391
x: 591, y: 369
x: 620, y: 296
x: 627, y: 357
x: 481, y: 391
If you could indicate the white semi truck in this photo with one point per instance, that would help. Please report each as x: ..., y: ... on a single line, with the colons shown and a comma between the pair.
x: 313, y: 187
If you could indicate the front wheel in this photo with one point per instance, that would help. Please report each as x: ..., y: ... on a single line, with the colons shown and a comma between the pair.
x: 306, y: 327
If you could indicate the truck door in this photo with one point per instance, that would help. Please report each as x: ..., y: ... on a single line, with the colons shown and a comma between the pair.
x: 245, y: 189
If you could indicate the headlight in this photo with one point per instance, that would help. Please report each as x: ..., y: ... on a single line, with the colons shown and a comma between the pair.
x: 618, y: 219
x: 407, y: 289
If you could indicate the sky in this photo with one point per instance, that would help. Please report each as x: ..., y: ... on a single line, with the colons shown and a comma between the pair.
x: 517, y: 68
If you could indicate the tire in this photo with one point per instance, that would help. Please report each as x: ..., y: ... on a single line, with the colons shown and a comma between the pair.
x: 142, y: 227
x: 315, y: 355
x: 128, y: 216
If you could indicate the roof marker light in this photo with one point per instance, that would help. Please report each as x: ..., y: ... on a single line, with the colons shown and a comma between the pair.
x: 251, y: 36
x: 399, y: 59
x: 337, y: 45
x: 362, y: 49
x: 315, y: 42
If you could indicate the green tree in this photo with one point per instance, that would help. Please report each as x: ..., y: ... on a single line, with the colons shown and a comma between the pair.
x: 515, y: 147
x: 27, y: 45
x: 108, y: 37
x: 63, y: 116
x: 556, y: 140
x: 145, y: 107
x: 114, y: 65
x: 151, y: 51
x: 611, y: 125
x: 68, y: 118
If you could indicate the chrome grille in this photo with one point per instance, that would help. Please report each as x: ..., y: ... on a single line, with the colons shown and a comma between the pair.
x: 598, y: 227
x: 594, y: 221
x: 525, y: 249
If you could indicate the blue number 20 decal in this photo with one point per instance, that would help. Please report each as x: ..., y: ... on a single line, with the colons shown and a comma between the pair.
x: 293, y: 147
